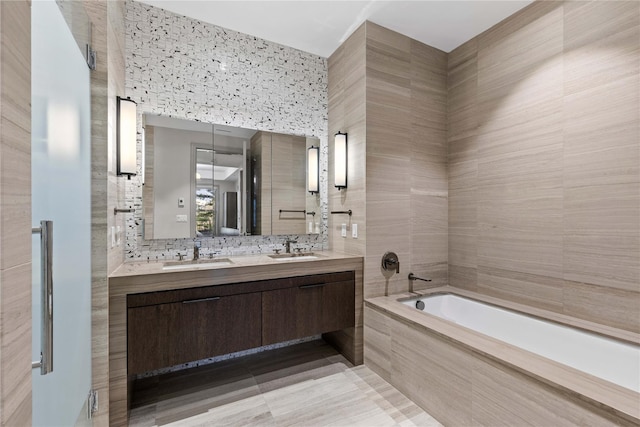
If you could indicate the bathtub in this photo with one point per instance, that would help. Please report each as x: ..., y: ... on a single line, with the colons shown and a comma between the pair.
x: 585, y: 351
x: 469, y: 359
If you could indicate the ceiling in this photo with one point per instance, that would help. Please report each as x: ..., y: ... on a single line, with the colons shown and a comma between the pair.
x: 320, y: 27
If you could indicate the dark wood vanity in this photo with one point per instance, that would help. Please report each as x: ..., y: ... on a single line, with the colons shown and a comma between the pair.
x: 160, y: 318
x: 168, y: 328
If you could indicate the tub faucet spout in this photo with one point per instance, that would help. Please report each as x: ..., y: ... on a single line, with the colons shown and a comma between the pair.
x: 412, y: 278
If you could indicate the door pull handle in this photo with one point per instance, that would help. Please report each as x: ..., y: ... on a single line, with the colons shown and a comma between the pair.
x: 46, y: 255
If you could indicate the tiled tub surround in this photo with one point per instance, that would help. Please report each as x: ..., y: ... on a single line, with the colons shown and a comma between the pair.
x: 181, y: 67
x: 576, y: 348
x: 479, y: 380
x: 544, y: 161
x: 132, y: 278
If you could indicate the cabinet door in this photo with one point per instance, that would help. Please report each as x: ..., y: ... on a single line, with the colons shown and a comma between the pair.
x: 307, y: 310
x: 291, y: 313
x: 169, y: 334
x: 338, y: 306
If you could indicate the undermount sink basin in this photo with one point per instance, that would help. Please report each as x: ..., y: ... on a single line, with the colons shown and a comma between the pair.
x: 201, y: 263
x: 293, y: 257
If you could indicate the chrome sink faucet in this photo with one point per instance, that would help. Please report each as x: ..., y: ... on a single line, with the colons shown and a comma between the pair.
x: 196, y: 250
x: 287, y: 245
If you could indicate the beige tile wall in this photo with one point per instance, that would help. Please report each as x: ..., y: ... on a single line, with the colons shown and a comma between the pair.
x: 99, y: 207
x: 281, y: 186
x: 116, y: 11
x: 15, y: 213
x: 460, y: 387
x: 288, y: 184
x: 406, y: 160
x: 347, y: 91
x: 107, y: 81
x: 388, y: 157
x: 388, y: 92
x: 544, y: 160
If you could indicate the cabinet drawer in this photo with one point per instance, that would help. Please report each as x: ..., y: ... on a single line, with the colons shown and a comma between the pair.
x: 169, y: 334
x: 178, y: 295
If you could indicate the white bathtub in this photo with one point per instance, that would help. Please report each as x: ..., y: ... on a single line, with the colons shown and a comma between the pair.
x: 614, y: 361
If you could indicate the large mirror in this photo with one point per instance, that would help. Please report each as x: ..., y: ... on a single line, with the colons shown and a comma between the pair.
x: 204, y: 180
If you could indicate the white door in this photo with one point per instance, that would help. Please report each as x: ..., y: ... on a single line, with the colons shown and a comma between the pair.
x: 61, y: 185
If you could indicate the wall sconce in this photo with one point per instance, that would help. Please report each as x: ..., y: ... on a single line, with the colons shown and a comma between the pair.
x: 126, y: 137
x: 313, y: 170
x: 340, y: 160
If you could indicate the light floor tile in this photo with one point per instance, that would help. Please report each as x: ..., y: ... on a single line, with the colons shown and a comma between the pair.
x: 252, y: 411
x: 308, y: 384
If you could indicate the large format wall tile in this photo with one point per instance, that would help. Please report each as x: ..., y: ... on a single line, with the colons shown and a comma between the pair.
x: 463, y: 213
x: 544, y: 160
x: 107, y: 82
x: 388, y: 159
x: 463, y: 277
x: 347, y: 112
x: 520, y: 149
x: 602, y: 152
x: 462, y: 162
x: 463, y: 385
x: 504, y: 396
x: 601, y: 304
x: 534, y: 290
x: 406, y: 160
x: 15, y: 213
x: 377, y: 336
x: 436, y: 373
x: 462, y: 112
x: 429, y: 250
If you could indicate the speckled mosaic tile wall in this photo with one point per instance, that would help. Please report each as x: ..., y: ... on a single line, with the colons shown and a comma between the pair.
x: 180, y: 67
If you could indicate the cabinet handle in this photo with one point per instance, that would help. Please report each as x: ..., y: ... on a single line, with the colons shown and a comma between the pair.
x: 201, y: 300
x: 318, y: 285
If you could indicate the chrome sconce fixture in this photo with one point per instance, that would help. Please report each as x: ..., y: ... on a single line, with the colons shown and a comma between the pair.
x: 340, y: 160
x: 313, y: 170
x: 126, y: 137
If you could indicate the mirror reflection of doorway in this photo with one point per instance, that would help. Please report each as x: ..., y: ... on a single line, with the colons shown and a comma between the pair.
x: 205, y: 212
x: 205, y: 200
x: 219, y: 180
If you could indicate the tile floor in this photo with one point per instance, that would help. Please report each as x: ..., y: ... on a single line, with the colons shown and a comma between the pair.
x: 308, y: 384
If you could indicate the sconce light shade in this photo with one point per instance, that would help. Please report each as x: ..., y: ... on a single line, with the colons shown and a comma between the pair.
x: 340, y: 160
x: 313, y: 170
x: 126, y: 137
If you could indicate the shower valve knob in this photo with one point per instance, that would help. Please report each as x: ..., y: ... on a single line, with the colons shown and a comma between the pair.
x: 390, y: 262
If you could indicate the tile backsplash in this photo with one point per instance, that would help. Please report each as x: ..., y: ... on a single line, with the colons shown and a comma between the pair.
x: 181, y: 67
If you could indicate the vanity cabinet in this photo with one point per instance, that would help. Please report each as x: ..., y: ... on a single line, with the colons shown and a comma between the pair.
x: 307, y: 309
x: 168, y: 334
x: 168, y: 328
